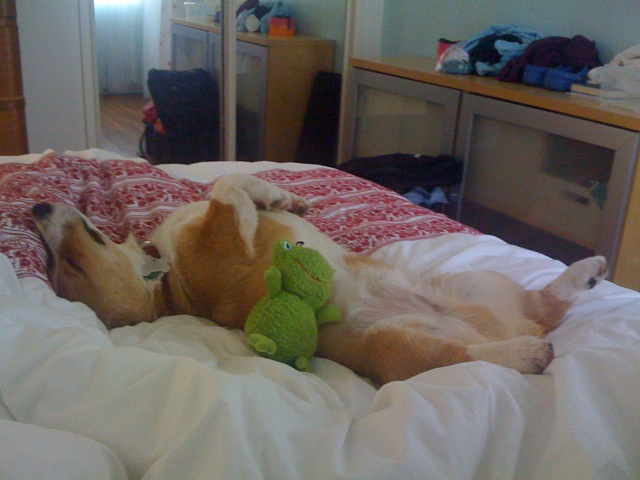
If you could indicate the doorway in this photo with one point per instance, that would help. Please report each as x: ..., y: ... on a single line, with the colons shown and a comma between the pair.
x: 119, y: 40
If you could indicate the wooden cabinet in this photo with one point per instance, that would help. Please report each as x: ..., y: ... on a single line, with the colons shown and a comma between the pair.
x: 190, y: 48
x: 275, y: 76
x: 385, y: 114
x: 550, y: 171
x: 528, y: 169
x: 13, y: 127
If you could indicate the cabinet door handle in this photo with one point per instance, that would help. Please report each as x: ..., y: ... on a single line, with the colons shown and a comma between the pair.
x: 576, y: 197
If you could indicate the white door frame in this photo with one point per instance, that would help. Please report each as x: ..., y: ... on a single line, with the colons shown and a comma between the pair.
x: 89, y: 72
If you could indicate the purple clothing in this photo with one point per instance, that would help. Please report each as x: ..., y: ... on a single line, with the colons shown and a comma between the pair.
x: 552, y: 52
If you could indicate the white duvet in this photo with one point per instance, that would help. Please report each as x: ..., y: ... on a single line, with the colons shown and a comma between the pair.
x: 184, y: 399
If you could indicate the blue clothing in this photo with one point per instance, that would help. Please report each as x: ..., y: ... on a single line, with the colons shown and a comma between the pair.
x: 505, y: 49
x: 527, y: 36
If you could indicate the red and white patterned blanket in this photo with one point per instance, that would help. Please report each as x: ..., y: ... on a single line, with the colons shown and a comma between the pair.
x: 122, y: 197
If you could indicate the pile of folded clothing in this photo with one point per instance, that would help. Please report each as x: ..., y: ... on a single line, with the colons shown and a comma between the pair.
x: 488, y: 51
x: 514, y: 54
x: 553, y: 62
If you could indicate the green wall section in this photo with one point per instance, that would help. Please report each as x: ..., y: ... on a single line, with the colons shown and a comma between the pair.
x: 412, y: 27
x: 323, y: 18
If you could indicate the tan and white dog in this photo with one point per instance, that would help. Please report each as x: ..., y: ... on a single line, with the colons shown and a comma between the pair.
x: 395, y: 324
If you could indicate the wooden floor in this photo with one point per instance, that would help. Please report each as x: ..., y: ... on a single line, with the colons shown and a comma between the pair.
x: 121, y: 118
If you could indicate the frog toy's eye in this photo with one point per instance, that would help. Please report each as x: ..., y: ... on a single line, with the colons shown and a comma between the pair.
x: 287, y: 245
x: 299, y: 244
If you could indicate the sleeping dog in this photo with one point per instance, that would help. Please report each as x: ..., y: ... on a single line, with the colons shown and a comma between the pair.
x: 396, y: 324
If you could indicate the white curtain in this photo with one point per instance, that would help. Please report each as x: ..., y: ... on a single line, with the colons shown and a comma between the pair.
x: 132, y: 37
x: 119, y: 45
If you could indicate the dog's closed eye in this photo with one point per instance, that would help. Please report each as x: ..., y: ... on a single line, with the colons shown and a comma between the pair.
x: 69, y: 261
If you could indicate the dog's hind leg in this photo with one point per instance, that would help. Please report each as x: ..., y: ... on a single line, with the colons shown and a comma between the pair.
x: 549, y: 305
x: 387, y: 354
x: 390, y: 354
x: 526, y: 354
x: 580, y: 276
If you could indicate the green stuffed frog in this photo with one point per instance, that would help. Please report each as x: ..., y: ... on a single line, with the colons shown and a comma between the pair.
x: 284, y: 324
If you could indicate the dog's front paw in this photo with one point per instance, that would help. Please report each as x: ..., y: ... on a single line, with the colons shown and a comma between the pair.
x: 291, y: 203
x: 264, y: 195
x: 278, y: 200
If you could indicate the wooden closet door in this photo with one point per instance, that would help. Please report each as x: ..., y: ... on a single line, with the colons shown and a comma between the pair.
x: 13, y: 128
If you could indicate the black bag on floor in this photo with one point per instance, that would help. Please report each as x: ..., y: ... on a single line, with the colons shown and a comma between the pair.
x: 187, y: 103
x: 319, y: 137
x: 403, y: 172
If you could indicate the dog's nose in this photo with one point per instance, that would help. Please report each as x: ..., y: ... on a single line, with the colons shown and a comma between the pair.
x: 42, y: 210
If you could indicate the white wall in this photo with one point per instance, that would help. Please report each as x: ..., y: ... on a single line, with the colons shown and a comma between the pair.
x: 368, y: 28
x: 58, y: 73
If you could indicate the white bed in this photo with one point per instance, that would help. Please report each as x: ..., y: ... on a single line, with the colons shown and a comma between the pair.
x: 184, y: 399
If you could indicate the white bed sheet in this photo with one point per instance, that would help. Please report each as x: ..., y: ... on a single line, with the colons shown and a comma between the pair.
x: 182, y: 398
